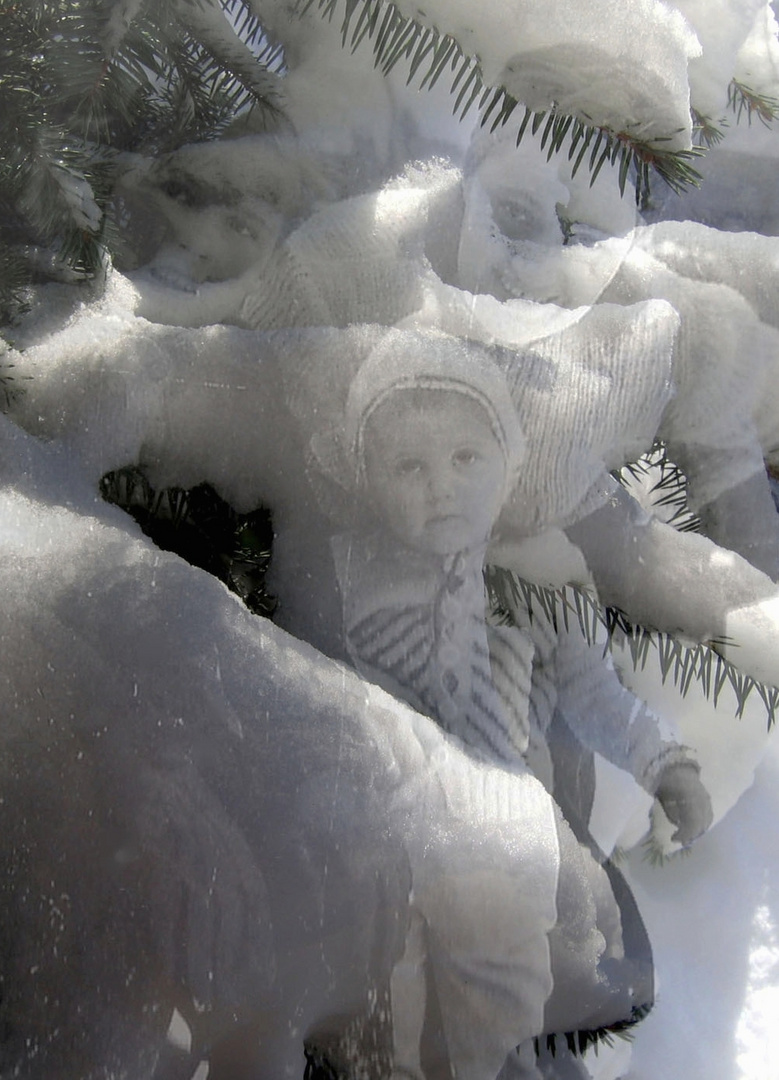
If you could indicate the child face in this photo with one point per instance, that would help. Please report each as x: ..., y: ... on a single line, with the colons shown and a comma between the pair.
x: 434, y: 469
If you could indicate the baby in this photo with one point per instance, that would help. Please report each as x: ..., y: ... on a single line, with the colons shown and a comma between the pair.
x: 435, y: 447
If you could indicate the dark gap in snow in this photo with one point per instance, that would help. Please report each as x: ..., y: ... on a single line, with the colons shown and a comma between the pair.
x: 200, y: 526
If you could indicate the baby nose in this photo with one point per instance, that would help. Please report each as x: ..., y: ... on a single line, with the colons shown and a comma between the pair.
x: 441, y: 485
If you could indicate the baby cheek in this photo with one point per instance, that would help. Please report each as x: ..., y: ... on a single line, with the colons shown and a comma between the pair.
x: 486, y: 501
x: 405, y: 505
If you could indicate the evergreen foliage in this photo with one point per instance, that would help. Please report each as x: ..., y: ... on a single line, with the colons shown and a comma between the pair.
x: 579, y: 1042
x: 429, y: 54
x: 83, y: 82
x: 202, y: 528
x: 683, y: 664
x: 747, y: 102
x: 667, y: 487
x: 9, y: 386
x: 572, y: 605
x: 705, y: 131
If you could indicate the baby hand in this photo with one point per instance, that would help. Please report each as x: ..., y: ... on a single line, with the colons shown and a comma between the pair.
x: 685, y: 801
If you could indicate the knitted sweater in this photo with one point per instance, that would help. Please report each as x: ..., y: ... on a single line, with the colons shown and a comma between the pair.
x: 416, y: 625
x: 576, y: 680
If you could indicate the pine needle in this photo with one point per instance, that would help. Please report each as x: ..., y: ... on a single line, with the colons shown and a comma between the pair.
x: 201, y: 527
x: 80, y: 83
x: 397, y: 38
x: 679, y: 664
x: 704, y: 131
x: 747, y: 102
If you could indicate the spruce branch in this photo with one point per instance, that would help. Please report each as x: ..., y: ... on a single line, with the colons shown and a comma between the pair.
x: 81, y: 82
x: 201, y: 527
x: 705, y: 132
x: 14, y: 276
x: 667, y: 486
x: 428, y: 54
x: 234, y: 71
x: 579, y: 1042
x: 10, y: 390
x: 747, y: 102
x: 679, y: 663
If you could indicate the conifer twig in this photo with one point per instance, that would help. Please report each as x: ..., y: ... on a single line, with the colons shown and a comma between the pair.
x: 679, y: 663
x: 81, y: 83
x: 747, y: 102
x: 705, y: 132
x: 429, y: 54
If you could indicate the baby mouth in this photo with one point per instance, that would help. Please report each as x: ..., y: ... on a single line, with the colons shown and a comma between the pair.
x: 444, y: 519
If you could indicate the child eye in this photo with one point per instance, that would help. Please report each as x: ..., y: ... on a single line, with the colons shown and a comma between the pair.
x: 180, y: 192
x: 408, y: 467
x: 465, y: 457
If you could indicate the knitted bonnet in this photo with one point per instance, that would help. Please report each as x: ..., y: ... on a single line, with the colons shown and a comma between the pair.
x: 412, y: 360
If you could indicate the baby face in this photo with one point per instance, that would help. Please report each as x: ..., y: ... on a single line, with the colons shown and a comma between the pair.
x: 434, y: 470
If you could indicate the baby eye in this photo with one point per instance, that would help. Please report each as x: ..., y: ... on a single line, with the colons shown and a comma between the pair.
x: 465, y: 457
x: 408, y: 467
x: 180, y: 192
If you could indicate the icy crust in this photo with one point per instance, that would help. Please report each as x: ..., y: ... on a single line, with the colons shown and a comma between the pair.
x: 162, y: 747
x: 748, y: 262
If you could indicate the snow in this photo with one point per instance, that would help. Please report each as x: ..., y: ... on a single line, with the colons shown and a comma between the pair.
x: 722, y: 27
x: 545, y: 54
x: 376, y: 209
x: 712, y: 917
x: 134, y: 670
x: 757, y: 63
x: 111, y: 388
